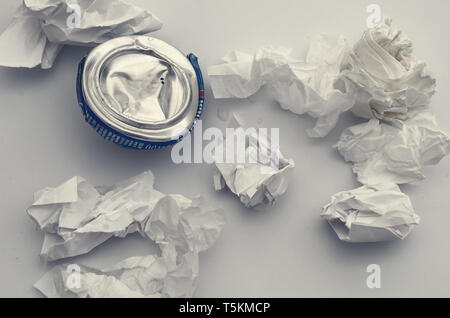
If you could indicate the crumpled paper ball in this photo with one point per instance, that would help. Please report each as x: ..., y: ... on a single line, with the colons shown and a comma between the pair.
x: 389, y: 82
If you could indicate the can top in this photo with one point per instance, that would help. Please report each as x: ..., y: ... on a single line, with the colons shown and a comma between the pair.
x: 141, y: 86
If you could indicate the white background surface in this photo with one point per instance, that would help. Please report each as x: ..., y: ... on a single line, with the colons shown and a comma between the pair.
x: 285, y: 251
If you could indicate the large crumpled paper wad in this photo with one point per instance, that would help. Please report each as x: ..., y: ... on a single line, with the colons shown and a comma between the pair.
x: 76, y: 217
x: 388, y: 81
x: 299, y: 86
x: 371, y: 214
x: 40, y: 28
x: 394, y: 152
x: 259, y: 173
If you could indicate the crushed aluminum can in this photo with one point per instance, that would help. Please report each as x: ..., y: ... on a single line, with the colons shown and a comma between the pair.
x: 140, y: 92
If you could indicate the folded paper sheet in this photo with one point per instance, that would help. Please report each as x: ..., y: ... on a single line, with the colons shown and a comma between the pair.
x: 394, y: 152
x: 299, y: 86
x: 76, y: 217
x: 40, y: 28
x: 388, y: 80
x: 258, y: 172
x: 371, y: 214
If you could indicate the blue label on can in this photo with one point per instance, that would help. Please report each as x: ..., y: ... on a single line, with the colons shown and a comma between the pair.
x: 121, y: 139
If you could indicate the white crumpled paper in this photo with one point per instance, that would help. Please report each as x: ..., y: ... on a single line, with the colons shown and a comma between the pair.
x: 394, y: 152
x: 378, y: 78
x: 261, y: 175
x: 299, y: 86
x: 135, y: 277
x: 389, y: 82
x: 371, y: 214
x: 76, y: 217
x: 40, y: 28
